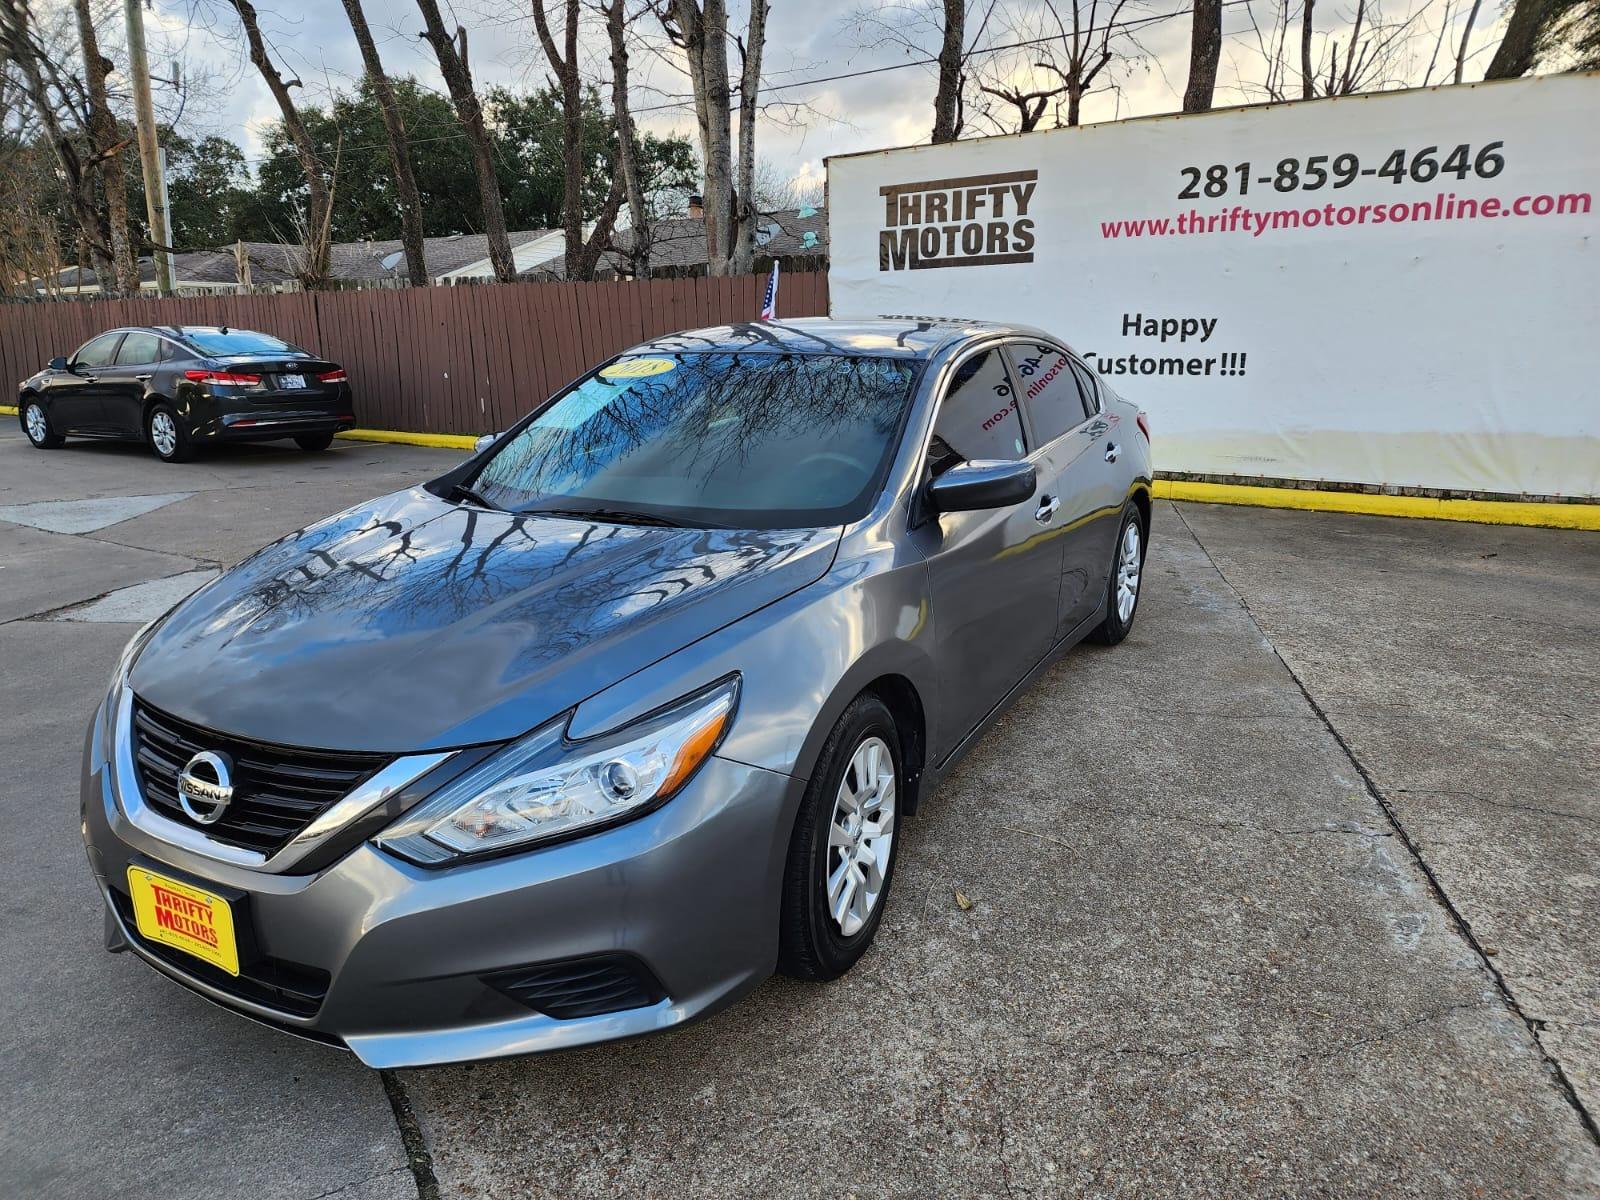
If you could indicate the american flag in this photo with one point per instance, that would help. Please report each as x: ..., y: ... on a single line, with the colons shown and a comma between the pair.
x: 769, y: 303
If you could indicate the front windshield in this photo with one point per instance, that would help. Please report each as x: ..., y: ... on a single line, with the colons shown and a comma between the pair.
x: 745, y: 440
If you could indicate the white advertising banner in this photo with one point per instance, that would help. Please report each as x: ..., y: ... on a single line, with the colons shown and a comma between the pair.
x: 1397, y: 289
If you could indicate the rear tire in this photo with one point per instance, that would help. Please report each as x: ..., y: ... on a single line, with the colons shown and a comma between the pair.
x: 36, y: 424
x: 844, y: 846
x: 313, y: 441
x: 1122, y: 588
x: 169, y: 440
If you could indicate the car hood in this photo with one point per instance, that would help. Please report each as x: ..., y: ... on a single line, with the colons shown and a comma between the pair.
x: 410, y: 624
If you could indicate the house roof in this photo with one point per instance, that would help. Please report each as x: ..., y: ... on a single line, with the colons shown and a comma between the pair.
x: 679, y: 243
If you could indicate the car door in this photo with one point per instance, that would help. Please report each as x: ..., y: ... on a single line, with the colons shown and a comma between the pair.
x: 1061, y: 401
x: 994, y: 574
x: 75, y: 394
x: 122, y: 384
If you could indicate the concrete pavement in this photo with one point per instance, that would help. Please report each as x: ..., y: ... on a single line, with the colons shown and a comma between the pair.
x: 1292, y: 892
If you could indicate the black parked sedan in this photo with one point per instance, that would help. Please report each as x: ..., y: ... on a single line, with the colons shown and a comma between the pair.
x: 179, y: 387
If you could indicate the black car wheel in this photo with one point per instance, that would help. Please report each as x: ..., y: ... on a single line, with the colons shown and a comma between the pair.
x: 168, y: 438
x: 1122, y: 589
x: 842, y: 853
x: 36, y: 424
x: 313, y: 441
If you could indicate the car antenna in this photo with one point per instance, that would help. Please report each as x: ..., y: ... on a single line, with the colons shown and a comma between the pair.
x: 223, y: 330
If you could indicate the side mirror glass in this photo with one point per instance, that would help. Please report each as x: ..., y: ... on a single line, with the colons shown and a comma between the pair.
x: 58, y: 364
x: 483, y: 443
x: 983, y: 483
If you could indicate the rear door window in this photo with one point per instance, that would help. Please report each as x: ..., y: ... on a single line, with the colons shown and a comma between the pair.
x: 97, y: 352
x: 1051, y: 389
x: 978, y: 416
x: 138, y: 349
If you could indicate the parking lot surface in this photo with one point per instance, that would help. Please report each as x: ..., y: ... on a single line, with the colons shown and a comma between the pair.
x: 1292, y: 893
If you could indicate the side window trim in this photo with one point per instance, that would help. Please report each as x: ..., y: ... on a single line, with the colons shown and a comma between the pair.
x: 942, y: 393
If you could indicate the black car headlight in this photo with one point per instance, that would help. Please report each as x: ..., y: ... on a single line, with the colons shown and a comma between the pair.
x: 543, y: 788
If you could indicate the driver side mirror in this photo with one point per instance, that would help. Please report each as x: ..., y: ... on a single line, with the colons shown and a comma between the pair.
x: 484, y: 442
x: 983, y: 483
x: 59, y: 364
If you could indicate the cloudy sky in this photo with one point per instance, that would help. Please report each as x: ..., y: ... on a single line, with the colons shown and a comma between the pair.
x: 807, y: 40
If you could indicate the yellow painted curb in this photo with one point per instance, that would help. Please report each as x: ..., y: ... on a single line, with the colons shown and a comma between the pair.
x: 1487, y: 512
x: 9, y: 410
x: 446, y: 441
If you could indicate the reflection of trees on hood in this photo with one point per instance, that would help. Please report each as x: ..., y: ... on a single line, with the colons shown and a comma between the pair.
x: 556, y: 583
x: 704, y: 416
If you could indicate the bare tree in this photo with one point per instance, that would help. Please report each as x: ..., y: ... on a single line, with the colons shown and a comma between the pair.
x: 1205, y: 50
x: 627, y: 141
x: 582, y: 255
x: 313, y: 270
x: 1076, y: 49
x: 453, y: 65
x: 107, y: 145
x: 394, y: 128
x: 56, y: 100
x: 1535, y: 30
x: 1466, y: 33
x: 947, y: 108
x: 750, y: 46
x: 1308, y: 74
x: 700, y: 29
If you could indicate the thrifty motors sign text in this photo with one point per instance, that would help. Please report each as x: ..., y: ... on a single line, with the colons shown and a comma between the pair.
x: 977, y: 221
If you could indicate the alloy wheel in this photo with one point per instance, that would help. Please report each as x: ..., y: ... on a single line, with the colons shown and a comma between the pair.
x: 1128, y: 567
x: 164, y: 434
x: 860, y: 836
x: 38, y: 427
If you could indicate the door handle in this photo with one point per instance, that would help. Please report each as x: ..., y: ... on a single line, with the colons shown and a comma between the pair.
x: 1047, y: 509
x: 1112, y: 451
x: 146, y: 377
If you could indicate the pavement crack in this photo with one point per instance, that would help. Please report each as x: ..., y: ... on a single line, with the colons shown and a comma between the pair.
x: 1502, y: 804
x: 355, y: 1183
x: 1462, y: 926
x: 418, y: 1157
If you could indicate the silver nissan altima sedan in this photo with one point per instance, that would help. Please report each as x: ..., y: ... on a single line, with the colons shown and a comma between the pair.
x: 586, y: 737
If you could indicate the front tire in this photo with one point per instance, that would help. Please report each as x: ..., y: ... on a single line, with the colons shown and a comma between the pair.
x: 845, y: 843
x: 313, y: 441
x: 1122, y: 589
x: 169, y: 440
x: 36, y: 424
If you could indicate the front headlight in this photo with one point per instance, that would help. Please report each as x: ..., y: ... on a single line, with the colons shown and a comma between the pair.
x: 543, y: 787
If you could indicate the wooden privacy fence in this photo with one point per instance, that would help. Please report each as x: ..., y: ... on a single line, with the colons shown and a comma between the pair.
x: 433, y: 360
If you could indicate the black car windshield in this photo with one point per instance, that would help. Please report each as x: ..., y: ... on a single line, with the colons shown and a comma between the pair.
x: 220, y: 343
x: 746, y: 440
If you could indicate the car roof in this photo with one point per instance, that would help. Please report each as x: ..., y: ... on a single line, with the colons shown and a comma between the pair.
x: 180, y: 331
x: 892, y: 337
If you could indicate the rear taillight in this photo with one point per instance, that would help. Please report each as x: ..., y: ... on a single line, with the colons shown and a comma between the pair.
x: 336, y: 375
x: 1144, y: 425
x: 232, y: 378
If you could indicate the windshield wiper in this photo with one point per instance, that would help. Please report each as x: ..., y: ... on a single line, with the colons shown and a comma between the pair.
x: 462, y: 491
x: 620, y: 516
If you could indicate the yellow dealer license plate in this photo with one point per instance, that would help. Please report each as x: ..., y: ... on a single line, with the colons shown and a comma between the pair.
x: 184, y: 917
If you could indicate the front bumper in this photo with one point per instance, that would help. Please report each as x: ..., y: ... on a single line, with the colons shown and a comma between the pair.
x: 390, y: 959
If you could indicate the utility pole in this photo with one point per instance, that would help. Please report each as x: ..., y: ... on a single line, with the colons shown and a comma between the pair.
x: 155, y: 185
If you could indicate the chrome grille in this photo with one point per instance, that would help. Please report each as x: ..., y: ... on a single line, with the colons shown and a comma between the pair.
x: 278, y: 790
